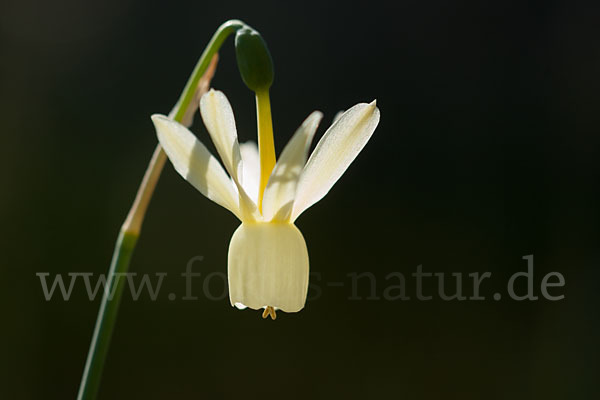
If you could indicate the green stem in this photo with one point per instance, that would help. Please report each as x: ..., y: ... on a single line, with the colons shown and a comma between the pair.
x: 130, y: 230
x: 213, y: 46
x: 107, y: 316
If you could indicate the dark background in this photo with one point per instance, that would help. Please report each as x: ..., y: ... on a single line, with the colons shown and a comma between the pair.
x: 487, y: 151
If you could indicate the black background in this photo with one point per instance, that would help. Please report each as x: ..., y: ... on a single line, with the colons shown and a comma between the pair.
x: 487, y: 151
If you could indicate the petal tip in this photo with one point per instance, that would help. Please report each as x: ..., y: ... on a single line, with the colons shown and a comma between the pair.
x: 315, y: 116
x: 157, y: 117
x: 160, y: 121
x: 209, y: 94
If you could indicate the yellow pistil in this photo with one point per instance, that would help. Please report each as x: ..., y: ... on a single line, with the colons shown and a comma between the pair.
x: 266, y: 145
x: 269, y: 311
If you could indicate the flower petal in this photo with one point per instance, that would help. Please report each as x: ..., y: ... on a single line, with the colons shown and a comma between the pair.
x: 281, y: 188
x: 336, y: 150
x: 337, y: 116
x: 195, y: 163
x: 220, y: 123
x: 268, y: 266
x: 251, y: 169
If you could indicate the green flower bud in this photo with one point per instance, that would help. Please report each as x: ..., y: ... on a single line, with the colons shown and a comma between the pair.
x: 253, y: 59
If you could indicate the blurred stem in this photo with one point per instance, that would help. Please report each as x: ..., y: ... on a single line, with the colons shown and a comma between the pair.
x: 198, y: 83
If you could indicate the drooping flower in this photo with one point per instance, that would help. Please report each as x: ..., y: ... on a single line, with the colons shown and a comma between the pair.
x: 268, y: 260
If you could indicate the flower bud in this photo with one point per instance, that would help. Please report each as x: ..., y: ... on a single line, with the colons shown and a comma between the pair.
x: 253, y: 59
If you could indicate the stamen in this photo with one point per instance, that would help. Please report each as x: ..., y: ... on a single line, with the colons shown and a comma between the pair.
x: 269, y: 311
x: 272, y: 313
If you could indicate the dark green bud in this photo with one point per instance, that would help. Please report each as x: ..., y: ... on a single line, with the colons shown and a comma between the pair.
x: 253, y: 59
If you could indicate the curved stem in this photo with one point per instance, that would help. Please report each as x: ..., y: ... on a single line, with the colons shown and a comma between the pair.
x: 130, y: 230
x: 213, y: 46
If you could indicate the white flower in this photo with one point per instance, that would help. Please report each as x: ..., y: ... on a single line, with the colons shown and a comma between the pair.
x: 268, y: 259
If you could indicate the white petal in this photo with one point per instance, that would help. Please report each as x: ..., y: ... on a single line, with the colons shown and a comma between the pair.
x: 220, y: 123
x: 281, y: 188
x: 251, y: 169
x: 268, y: 266
x: 336, y: 150
x: 195, y: 163
x: 337, y: 116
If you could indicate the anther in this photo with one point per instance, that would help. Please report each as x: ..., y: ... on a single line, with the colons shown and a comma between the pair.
x: 272, y: 313
x: 269, y: 311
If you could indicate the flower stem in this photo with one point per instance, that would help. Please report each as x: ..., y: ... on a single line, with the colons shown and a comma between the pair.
x: 107, y: 316
x: 213, y: 46
x: 266, y: 145
x: 130, y: 230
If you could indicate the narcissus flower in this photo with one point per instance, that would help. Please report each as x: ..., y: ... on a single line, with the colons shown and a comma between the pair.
x: 268, y: 260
